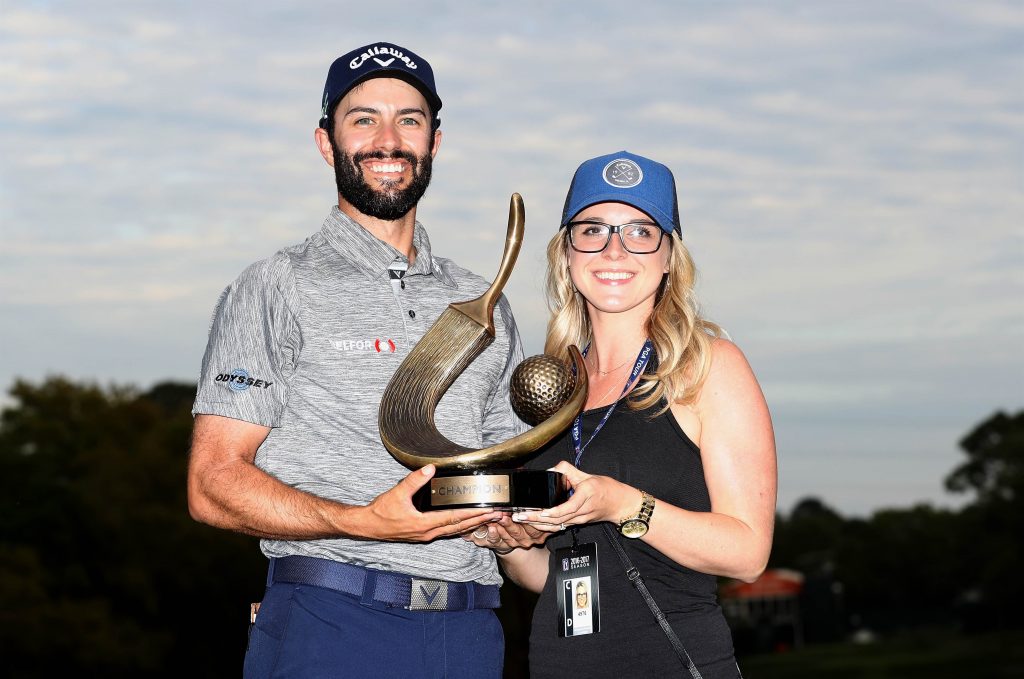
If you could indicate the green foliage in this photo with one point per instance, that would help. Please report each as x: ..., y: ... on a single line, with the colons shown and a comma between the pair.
x: 103, y: 573
x: 919, y: 655
x: 992, y: 526
x: 101, y: 568
x: 995, y: 461
x: 807, y: 540
x: 901, y: 567
x: 904, y: 568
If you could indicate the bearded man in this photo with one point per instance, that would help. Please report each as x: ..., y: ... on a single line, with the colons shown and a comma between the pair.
x: 285, y: 443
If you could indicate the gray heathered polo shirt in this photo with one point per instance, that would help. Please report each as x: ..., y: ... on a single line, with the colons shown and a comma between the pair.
x: 306, y: 341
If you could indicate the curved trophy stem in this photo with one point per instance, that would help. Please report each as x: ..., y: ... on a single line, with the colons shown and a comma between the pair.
x: 407, y: 421
x: 459, y: 335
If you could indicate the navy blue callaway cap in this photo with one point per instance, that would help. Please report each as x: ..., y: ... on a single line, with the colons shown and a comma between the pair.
x: 378, y: 60
x: 625, y: 177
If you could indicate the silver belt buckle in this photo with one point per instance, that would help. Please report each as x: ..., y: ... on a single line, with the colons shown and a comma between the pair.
x: 428, y: 595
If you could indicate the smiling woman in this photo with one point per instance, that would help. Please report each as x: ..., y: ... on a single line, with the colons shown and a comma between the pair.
x: 676, y: 444
x: 621, y: 274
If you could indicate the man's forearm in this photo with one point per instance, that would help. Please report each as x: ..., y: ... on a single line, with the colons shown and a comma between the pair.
x: 239, y: 496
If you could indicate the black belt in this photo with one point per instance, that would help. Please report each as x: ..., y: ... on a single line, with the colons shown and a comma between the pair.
x: 393, y: 589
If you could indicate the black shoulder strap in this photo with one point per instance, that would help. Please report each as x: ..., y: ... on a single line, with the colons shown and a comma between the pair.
x: 634, y: 576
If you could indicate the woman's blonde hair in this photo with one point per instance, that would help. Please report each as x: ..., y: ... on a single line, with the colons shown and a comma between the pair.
x: 682, y: 339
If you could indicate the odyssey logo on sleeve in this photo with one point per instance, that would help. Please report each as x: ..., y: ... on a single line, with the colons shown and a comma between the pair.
x: 239, y: 379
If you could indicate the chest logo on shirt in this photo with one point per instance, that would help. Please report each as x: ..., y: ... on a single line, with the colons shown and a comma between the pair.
x: 377, y: 345
x: 240, y: 380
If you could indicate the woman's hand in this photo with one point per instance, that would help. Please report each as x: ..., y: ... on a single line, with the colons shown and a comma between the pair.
x: 594, y: 499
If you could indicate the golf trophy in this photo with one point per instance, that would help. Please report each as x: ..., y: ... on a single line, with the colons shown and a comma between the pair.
x: 545, y: 392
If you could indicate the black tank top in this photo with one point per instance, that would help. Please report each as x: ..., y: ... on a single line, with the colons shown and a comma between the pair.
x: 655, y: 455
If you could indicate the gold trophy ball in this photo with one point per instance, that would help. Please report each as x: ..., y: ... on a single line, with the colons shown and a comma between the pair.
x: 540, y: 386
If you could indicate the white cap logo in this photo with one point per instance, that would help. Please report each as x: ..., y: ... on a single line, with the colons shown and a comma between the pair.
x: 384, y: 62
x: 622, y: 173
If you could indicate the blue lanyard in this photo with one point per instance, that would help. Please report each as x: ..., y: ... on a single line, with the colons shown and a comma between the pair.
x: 638, y: 367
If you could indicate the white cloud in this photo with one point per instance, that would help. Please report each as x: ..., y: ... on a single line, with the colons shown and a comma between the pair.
x: 850, y: 178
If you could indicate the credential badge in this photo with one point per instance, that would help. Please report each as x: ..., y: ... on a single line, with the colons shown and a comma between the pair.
x: 622, y: 173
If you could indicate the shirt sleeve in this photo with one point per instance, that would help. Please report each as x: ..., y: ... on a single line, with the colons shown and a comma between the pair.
x: 253, y: 346
x: 500, y: 421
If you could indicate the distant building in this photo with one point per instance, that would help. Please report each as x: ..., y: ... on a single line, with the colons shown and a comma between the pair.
x: 764, y: 615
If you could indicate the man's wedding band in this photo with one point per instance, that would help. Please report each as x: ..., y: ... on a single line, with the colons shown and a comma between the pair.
x: 480, y: 535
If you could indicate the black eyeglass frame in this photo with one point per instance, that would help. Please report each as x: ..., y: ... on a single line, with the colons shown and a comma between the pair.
x: 612, y: 229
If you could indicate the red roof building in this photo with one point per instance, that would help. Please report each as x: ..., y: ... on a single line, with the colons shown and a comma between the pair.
x: 766, y: 610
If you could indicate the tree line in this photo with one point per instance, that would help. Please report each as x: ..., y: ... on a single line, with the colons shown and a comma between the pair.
x: 920, y: 566
x: 103, y: 572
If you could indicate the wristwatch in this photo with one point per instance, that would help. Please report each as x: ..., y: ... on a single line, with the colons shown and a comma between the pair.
x: 636, y: 526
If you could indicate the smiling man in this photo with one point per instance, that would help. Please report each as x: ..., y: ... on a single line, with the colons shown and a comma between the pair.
x: 359, y: 582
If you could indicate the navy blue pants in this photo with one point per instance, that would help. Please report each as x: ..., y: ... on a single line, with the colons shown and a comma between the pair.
x: 315, y: 633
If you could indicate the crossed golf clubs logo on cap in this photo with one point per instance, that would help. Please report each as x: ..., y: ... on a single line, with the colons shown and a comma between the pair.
x: 623, y: 173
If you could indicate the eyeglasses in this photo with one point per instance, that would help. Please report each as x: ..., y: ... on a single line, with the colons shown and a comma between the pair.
x: 640, y: 238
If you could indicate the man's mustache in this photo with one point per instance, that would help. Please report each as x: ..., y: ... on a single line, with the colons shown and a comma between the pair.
x: 382, y: 155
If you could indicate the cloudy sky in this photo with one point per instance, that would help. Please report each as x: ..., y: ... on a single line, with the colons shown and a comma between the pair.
x: 851, y: 180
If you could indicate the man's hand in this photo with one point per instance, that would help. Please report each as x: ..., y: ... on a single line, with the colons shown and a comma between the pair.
x: 227, y: 490
x: 393, y: 517
x: 504, y: 535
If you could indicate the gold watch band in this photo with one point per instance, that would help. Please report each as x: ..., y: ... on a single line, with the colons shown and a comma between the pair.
x: 645, y: 511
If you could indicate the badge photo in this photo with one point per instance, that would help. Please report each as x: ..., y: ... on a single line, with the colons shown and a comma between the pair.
x: 579, y: 610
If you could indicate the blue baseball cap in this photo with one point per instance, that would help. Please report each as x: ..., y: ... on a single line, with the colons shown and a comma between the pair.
x: 625, y: 177
x: 378, y: 60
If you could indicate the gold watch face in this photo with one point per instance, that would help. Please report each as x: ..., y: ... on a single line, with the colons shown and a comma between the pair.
x: 633, y: 528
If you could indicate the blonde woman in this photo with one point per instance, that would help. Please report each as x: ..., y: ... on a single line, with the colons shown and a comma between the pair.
x: 673, y: 458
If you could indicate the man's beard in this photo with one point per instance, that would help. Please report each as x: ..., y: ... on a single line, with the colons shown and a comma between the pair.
x: 388, y: 201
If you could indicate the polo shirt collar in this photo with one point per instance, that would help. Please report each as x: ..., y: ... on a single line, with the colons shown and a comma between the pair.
x: 372, y: 256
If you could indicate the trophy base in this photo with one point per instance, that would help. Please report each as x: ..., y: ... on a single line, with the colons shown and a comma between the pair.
x: 507, y: 490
